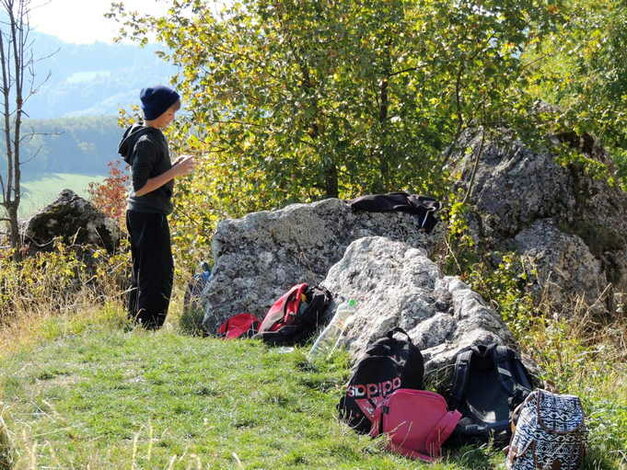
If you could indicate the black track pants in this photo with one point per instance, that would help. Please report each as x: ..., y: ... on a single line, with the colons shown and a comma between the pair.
x: 153, y: 268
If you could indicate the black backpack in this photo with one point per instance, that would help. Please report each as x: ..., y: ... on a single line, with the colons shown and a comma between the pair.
x: 388, y: 364
x: 488, y: 383
x: 423, y: 207
x: 295, y: 316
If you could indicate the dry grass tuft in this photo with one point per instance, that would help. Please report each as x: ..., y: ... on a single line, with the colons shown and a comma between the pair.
x: 6, y: 447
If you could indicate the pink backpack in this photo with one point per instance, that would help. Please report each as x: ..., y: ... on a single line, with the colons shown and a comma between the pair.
x: 417, y: 423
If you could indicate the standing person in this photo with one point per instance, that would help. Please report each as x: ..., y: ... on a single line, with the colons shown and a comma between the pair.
x: 145, y: 149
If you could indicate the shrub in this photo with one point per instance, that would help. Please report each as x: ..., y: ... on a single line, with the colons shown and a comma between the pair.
x: 48, y: 282
x: 110, y: 195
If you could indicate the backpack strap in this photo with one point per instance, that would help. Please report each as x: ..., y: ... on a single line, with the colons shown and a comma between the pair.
x: 429, y: 211
x: 523, y: 375
x: 469, y: 428
x: 326, y: 292
x: 501, y: 355
x: 377, y: 420
x: 460, y: 376
x: 504, y: 359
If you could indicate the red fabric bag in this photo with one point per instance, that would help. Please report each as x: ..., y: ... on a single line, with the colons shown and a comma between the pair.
x: 285, y: 309
x: 417, y: 423
x: 238, y: 326
x: 295, y: 316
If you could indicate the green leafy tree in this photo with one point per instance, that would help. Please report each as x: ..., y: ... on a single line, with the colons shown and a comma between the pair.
x: 296, y: 101
x: 333, y: 97
x: 581, y: 67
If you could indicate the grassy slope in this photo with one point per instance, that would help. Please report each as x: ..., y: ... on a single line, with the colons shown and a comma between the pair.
x: 44, y: 190
x: 93, y: 395
x: 85, y: 393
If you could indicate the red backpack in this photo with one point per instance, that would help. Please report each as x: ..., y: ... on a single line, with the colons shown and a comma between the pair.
x: 295, y: 316
x: 417, y: 423
x: 241, y: 325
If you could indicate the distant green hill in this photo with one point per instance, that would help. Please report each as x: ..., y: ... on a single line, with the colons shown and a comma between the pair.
x: 91, y: 79
x: 72, y: 130
x: 64, y: 153
x: 73, y: 114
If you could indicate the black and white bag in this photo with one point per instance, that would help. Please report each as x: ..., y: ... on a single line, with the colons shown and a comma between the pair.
x: 423, y: 207
x: 550, y: 433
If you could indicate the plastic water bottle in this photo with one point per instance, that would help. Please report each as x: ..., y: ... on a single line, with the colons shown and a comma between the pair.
x: 328, y: 340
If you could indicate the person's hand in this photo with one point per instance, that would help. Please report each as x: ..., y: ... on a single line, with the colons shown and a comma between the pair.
x: 184, y: 164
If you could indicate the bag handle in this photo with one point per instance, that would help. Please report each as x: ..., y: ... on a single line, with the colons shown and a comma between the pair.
x: 398, y: 329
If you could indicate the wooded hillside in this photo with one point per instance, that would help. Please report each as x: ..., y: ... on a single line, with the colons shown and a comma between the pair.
x: 80, y: 145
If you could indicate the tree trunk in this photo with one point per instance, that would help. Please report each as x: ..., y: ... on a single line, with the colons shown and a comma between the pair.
x: 14, y: 231
x: 15, y: 61
x: 384, y: 167
x: 330, y: 180
x: 329, y: 169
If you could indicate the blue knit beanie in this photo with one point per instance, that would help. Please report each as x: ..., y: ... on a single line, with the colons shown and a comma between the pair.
x: 156, y: 100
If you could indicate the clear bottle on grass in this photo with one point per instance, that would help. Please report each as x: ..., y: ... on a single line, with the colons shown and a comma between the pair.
x: 330, y: 337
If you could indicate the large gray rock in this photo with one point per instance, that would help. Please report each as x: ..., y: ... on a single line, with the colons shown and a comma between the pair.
x: 258, y: 257
x: 75, y: 220
x: 396, y: 284
x: 571, y: 226
x: 565, y: 266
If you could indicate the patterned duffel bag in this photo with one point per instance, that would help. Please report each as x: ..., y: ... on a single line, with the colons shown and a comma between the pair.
x: 550, y: 433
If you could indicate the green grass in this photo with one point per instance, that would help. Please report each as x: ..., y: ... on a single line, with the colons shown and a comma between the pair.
x: 42, y: 191
x: 90, y: 393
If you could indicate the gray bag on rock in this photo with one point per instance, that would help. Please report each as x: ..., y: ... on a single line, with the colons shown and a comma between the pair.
x: 550, y: 433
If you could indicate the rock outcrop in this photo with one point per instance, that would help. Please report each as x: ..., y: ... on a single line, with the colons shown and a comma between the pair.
x: 75, y: 220
x: 572, y: 227
x: 258, y: 257
x: 565, y: 266
x: 398, y: 285
x: 379, y: 259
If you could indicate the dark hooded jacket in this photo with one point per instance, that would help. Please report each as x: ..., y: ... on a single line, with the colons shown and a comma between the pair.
x: 146, y: 151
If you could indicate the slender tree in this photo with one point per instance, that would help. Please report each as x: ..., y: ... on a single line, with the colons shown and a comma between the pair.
x: 17, y: 64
